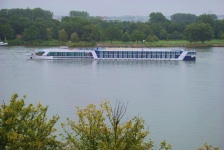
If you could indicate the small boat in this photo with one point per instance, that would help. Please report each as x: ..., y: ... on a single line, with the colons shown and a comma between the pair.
x: 114, y: 54
x: 3, y: 43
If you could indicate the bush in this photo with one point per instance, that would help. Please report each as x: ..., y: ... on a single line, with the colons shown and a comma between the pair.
x: 26, y: 127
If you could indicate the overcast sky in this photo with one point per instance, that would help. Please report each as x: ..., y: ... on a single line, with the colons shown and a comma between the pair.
x: 120, y: 7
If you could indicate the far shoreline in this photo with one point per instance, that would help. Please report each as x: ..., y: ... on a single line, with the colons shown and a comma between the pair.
x: 161, y: 43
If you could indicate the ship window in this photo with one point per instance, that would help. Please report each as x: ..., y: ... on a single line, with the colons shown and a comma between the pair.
x: 111, y: 56
x: 149, y: 54
x: 134, y: 54
x: 143, y: 54
x: 120, y: 54
x: 172, y: 56
x: 50, y: 54
x: 115, y: 54
x: 124, y: 54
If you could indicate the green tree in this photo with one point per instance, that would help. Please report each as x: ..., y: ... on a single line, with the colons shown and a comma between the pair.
x: 157, y: 17
x: 103, y: 129
x: 156, y: 28
x: 137, y: 35
x: 206, y: 19
x: 26, y: 127
x: 214, y: 16
x: 152, y: 38
x: 74, y: 37
x: 175, y: 35
x: 199, y: 32
x: 222, y: 36
x: 40, y: 13
x: 113, y: 33
x: 90, y: 33
x: 49, y: 33
x: 218, y: 28
x: 62, y: 35
x: 163, y: 34
x: 6, y: 31
x: 74, y: 24
x: 92, y: 132
x: 78, y: 13
x: 182, y: 17
x: 31, y: 33
x: 19, y: 23
x: 125, y: 37
x: 40, y: 24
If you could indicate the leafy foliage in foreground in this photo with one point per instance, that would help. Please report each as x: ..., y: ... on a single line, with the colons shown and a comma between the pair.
x: 103, y: 129
x: 26, y: 127
x: 208, y: 147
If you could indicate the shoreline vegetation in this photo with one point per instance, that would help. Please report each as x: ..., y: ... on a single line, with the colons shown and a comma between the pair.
x: 161, y: 43
x: 37, y: 27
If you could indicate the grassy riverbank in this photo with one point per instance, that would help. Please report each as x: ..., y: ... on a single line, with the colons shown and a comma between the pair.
x: 164, y: 43
x: 161, y: 43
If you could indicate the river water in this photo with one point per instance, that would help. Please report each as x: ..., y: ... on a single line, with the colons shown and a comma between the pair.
x: 181, y: 102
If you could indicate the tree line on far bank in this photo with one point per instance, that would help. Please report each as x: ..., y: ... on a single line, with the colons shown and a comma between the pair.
x: 27, y: 127
x: 36, y: 25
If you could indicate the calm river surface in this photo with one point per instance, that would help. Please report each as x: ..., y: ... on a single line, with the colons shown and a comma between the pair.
x: 181, y: 102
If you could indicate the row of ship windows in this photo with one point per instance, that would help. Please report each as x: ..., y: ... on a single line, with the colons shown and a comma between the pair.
x: 191, y: 53
x: 139, y: 53
x: 69, y: 54
x: 138, y: 56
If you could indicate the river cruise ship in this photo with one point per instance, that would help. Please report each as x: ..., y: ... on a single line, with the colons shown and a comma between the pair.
x: 114, y: 54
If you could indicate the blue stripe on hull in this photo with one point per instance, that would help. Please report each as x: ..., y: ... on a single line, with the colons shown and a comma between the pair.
x: 189, y: 58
